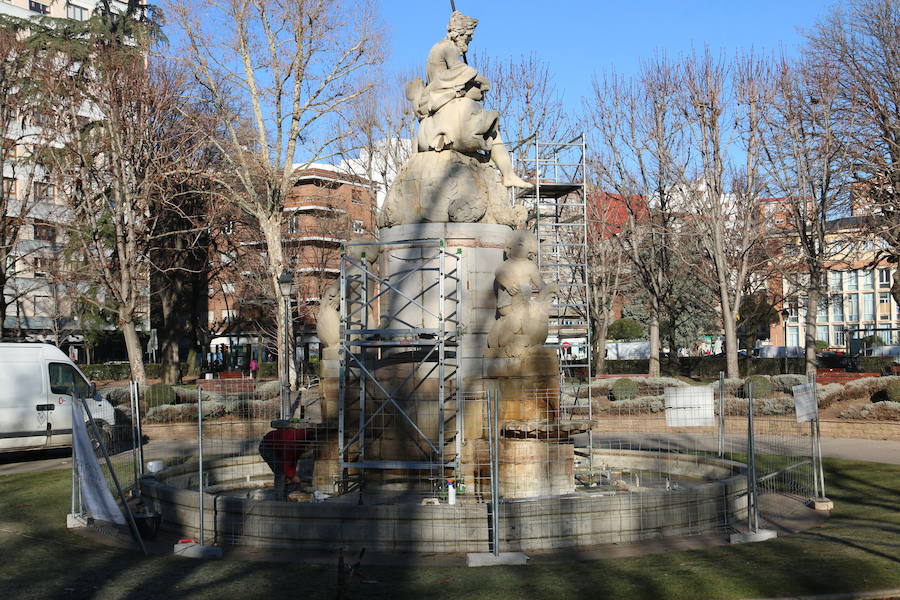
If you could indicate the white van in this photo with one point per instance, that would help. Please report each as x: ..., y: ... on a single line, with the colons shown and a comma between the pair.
x: 37, y: 385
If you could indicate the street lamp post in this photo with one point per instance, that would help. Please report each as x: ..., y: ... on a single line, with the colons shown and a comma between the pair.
x: 285, y: 284
x: 785, y: 315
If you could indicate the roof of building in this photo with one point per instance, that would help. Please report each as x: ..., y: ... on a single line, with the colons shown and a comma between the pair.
x: 326, y: 172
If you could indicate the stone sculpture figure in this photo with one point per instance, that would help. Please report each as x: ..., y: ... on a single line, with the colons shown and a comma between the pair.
x: 363, y: 252
x: 522, y: 323
x: 449, y: 178
x: 328, y: 321
x: 449, y: 107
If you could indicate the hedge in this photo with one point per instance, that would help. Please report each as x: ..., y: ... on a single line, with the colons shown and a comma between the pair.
x: 875, y: 364
x: 706, y: 366
x: 107, y: 372
x: 122, y: 371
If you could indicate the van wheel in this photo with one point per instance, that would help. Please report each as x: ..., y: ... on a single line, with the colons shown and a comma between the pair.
x: 105, y: 438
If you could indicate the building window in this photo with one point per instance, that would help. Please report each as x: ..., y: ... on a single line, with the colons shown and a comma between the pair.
x: 38, y: 7
x: 293, y: 224
x: 40, y: 305
x: 43, y: 267
x: 229, y: 314
x: 822, y: 312
x: 76, y: 13
x: 854, y: 308
x: 822, y: 333
x: 868, y: 280
x: 358, y: 227
x: 852, y: 280
x: 887, y: 336
x: 9, y: 188
x: 793, y: 336
x: 837, y: 308
x: 44, y: 191
x: 839, y: 337
x: 835, y: 281
x: 228, y: 229
x: 884, y: 278
x: 227, y: 288
x: 884, y: 306
x: 356, y: 196
x: 868, y: 307
x: 44, y: 231
x: 211, y: 317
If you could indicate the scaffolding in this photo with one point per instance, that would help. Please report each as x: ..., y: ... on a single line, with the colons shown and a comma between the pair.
x: 558, y: 210
x: 420, y: 306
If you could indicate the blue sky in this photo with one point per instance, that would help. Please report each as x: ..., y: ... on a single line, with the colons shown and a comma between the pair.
x: 577, y: 38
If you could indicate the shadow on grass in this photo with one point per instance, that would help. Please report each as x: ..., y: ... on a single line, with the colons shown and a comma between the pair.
x: 858, y: 548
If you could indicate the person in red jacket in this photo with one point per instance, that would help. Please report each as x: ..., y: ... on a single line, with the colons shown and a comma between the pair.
x: 281, y: 448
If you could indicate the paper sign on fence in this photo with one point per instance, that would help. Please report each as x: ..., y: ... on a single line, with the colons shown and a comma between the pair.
x: 690, y: 407
x: 805, y: 402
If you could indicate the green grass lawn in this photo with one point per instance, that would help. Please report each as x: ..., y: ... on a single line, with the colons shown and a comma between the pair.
x: 858, y: 548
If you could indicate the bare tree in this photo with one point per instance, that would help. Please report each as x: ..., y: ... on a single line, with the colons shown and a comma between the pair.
x: 808, y: 160
x: 723, y: 103
x: 382, y: 128
x: 291, y: 66
x: 120, y: 145
x: 524, y: 92
x: 859, y: 45
x: 605, y: 269
x: 640, y: 141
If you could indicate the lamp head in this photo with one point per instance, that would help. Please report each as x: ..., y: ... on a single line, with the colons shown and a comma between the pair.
x: 285, y: 282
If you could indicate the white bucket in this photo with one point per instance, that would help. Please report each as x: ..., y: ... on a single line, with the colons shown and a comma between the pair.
x: 155, y: 466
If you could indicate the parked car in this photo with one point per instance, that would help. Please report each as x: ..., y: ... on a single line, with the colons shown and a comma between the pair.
x: 38, y: 384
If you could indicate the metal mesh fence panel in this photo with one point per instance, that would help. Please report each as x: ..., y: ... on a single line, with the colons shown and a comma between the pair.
x: 516, y: 470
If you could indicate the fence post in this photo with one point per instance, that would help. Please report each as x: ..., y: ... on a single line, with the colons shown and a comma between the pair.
x: 140, y: 432
x: 755, y: 534
x: 814, y: 449
x: 493, y: 451
x: 721, y: 414
x: 200, y: 459
x: 821, y: 501
x: 200, y: 456
x: 134, y: 435
x: 496, y: 495
x: 188, y: 547
x: 752, y: 509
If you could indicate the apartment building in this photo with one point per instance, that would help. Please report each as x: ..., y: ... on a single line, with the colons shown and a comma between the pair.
x: 326, y: 208
x: 857, y: 301
x: 78, y: 10
x: 39, y: 300
x: 38, y: 294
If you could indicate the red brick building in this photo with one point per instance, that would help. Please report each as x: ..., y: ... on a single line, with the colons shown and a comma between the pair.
x: 325, y: 208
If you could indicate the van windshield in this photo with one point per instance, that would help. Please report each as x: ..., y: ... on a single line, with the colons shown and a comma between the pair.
x: 64, y: 379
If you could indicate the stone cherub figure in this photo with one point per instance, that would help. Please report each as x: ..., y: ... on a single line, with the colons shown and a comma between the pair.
x: 328, y: 321
x: 363, y: 252
x: 450, y: 108
x: 522, y: 323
